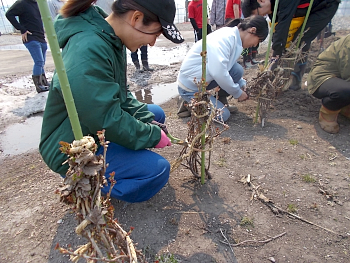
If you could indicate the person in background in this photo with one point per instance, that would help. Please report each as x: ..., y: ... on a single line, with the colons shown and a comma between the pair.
x: 329, y: 80
x: 217, y: 13
x: 144, y: 59
x: 195, y: 14
x: 233, y: 10
x: 33, y: 37
x: 224, y: 47
x: 321, y: 13
x: 94, y: 54
x: 54, y: 7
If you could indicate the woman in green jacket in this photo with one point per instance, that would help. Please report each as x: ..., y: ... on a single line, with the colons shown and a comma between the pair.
x: 329, y: 80
x: 93, y: 50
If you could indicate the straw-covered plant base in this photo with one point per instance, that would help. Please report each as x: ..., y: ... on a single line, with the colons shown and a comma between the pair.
x: 107, y: 241
x: 204, y: 117
x: 269, y: 84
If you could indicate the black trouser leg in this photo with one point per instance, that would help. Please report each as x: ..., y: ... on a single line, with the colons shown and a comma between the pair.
x: 335, y: 93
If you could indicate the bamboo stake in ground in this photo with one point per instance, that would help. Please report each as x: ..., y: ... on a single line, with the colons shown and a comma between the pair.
x: 304, y: 23
x: 272, y: 29
x: 203, y: 86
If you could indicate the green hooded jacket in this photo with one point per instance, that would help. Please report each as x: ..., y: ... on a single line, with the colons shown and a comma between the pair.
x: 334, y: 62
x: 95, y: 62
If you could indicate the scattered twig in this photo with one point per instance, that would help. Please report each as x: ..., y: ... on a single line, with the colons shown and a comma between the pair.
x: 277, y: 210
x: 252, y: 241
x: 227, y: 242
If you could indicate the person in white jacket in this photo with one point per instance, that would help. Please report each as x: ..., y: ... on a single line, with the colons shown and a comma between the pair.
x: 224, y: 47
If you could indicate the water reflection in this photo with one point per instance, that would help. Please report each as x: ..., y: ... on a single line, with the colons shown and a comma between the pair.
x: 157, y: 94
x: 21, y: 137
x: 144, y: 95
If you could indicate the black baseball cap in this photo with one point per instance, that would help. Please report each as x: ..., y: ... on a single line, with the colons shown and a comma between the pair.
x: 165, y: 10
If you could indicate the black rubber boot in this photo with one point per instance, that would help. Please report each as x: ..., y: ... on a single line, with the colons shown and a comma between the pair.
x: 137, y: 65
x: 44, y: 80
x: 298, y: 73
x: 38, y: 84
x: 145, y: 66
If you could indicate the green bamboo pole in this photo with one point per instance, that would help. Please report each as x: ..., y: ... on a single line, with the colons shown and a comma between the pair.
x: 271, y: 33
x: 204, y: 71
x: 304, y: 23
x: 60, y: 69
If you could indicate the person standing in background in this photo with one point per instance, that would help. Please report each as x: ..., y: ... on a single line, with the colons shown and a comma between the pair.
x: 54, y: 7
x: 233, y: 10
x: 144, y: 59
x: 33, y: 37
x: 217, y: 13
x: 195, y: 13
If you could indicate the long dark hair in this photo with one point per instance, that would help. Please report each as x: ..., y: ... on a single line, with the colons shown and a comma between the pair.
x: 119, y: 8
x: 259, y: 22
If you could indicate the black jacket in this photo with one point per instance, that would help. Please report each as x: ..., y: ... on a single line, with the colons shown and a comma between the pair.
x: 287, y: 9
x: 29, y: 18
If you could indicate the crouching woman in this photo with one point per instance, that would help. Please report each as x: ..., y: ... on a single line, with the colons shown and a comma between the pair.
x: 224, y: 47
x: 329, y: 80
x: 93, y: 50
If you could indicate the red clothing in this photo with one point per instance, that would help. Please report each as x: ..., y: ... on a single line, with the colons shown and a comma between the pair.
x: 195, y: 11
x: 229, y: 9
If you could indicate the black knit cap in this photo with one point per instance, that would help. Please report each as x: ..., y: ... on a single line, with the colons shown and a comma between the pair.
x: 165, y: 10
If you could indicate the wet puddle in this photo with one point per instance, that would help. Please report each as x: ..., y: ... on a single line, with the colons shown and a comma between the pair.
x: 22, y: 137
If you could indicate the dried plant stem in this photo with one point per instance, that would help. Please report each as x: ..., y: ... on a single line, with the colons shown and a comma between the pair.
x: 275, y: 209
x: 250, y: 241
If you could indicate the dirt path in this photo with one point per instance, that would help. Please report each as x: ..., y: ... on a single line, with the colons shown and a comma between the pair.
x: 298, y: 166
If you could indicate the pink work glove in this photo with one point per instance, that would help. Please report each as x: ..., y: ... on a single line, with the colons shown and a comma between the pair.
x: 164, y: 140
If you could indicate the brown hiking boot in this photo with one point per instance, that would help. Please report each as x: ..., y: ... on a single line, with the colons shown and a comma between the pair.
x: 345, y: 111
x: 328, y: 120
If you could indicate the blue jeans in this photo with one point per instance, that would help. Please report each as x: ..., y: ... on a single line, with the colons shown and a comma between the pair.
x: 139, y: 174
x: 236, y: 73
x: 38, y: 52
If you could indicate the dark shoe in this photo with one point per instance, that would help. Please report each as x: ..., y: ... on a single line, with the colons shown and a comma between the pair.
x: 38, y: 84
x: 137, y: 64
x: 145, y: 66
x: 184, y: 111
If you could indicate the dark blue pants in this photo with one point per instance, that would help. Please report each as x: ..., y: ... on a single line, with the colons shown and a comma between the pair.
x: 144, y: 54
x: 139, y: 174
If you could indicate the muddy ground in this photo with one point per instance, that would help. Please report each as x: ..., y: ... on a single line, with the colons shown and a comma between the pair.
x: 303, y: 170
